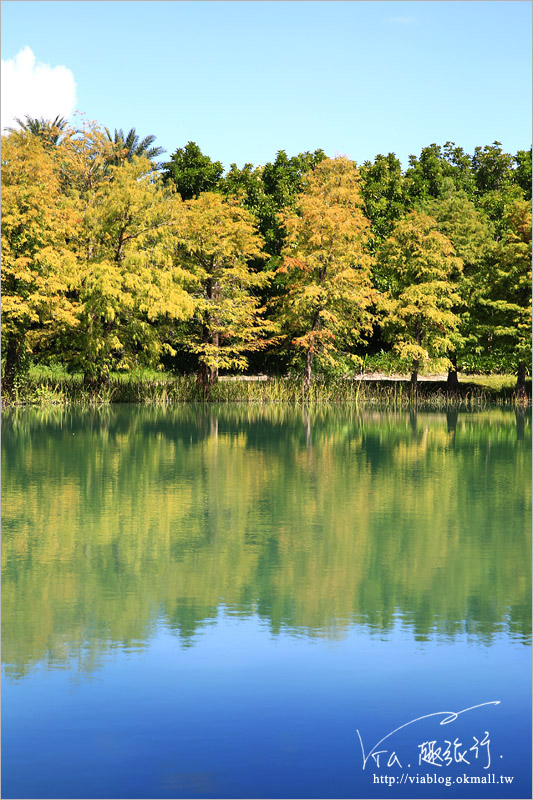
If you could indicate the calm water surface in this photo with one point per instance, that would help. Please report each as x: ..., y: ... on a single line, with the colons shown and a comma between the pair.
x: 242, y: 602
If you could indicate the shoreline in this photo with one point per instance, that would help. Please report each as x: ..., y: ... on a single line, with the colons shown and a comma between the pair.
x: 375, y: 390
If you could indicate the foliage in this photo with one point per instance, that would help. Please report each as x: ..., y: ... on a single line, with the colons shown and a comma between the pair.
x: 191, y: 172
x: 471, y: 235
x: 425, y: 174
x: 38, y: 268
x: 246, y: 184
x: 506, y: 289
x: 418, y: 309
x: 384, y: 194
x: 325, y: 273
x: 466, y: 226
x: 50, y: 131
x: 493, y: 169
x: 523, y: 172
x: 130, y: 279
x: 103, y: 262
x: 216, y: 240
x: 130, y: 145
x: 269, y: 190
x: 283, y: 179
x: 496, y: 184
x: 388, y: 362
x: 84, y: 159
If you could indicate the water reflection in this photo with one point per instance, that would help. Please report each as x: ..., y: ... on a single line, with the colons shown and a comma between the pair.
x: 118, y: 520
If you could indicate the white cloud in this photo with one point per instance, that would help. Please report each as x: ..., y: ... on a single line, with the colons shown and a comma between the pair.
x: 36, y: 89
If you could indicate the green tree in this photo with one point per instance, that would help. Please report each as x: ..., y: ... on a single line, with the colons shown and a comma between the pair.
x: 325, y: 277
x: 493, y: 169
x: 496, y: 185
x: 425, y: 175
x: 283, y: 180
x: 523, y: 172
x: 247, y: 186
x: 246, y: 183
x: 38, y: 268
x: 459, y: 167
x: 192, y: 172
x: 506, y: 291
x: 267, y: 191
x: 216, y: 240
x: 472, y: 238
x: 284, y: 177
x: 418, y: 309
x: 383, y: 191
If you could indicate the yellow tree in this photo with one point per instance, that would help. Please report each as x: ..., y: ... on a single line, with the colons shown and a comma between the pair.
x: 216, y: 239
x: 129, y: 279
x: 419, y: 308
x: 38, y: 267
x: 325, y: 274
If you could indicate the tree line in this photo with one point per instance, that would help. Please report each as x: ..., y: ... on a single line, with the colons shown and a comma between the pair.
x: 113, y: 261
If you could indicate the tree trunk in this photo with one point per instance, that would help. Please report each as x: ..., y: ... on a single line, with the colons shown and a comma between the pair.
x: 416, y: 362
x: 521, y: 379
x: 414, y: 373
x: 310, y: 354
x: 452, y: 384
x: 96, y: 381
x: 308, y: 370
x: 203, y: 376
x: 207, y: 376
x: 213, y: 373
x: 13, y: 362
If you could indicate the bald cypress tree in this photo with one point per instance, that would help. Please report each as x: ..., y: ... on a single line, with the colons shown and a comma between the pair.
x: 418, y: 309
x: 216, y: 240
x: 325, y: 275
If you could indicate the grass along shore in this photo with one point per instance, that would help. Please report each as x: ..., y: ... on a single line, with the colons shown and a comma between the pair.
x: 54, y: 386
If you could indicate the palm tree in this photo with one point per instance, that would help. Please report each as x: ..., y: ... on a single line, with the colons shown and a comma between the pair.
x: 131, y: 145
x: 49, y: 130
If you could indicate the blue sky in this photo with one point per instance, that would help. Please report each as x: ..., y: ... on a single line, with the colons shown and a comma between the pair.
x: 246, y: 79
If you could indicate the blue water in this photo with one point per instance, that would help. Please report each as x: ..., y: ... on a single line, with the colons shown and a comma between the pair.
x: 155, y: 660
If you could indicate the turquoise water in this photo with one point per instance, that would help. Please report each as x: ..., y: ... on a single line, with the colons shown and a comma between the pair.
x: 241, y: 602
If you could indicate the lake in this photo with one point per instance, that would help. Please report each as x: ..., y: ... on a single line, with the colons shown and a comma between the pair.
x: 244, y: 602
